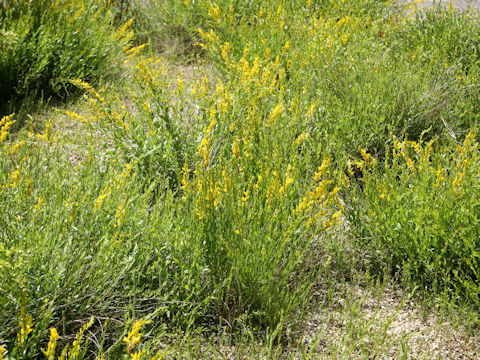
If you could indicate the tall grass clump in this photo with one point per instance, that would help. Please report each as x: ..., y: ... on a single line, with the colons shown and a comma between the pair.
x: 220, y: 183
x: 45, y: 43
x: 417, y: 214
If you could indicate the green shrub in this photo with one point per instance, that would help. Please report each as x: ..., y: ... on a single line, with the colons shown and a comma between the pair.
x: 418, y: 213
x: 45, y: 43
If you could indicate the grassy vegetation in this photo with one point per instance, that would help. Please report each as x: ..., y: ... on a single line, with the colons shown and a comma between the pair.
x: 45, y: 43
x: 329, y: 144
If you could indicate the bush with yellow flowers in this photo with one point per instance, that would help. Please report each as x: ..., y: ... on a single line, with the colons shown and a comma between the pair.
x: 417, y: 212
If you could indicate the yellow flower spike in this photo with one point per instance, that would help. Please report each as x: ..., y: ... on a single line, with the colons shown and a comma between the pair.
x: 14, y: 148
x: 301, y: 206
x: 439, y: 177
x: 469, y: 139
x: 52, y: 344
x: 235, y: 148
x: 26, y: 325
x: 366, y: 156
x: 311, y: 111
x: 134, y: 335
x: 204, y: 149
x: 120, y: 213
x: 123, y: 29
x: 5, y: 123
x: 74, y: 116
x: 457, y: 182
x: 137, y: 355
x: 185, y: 184
x: 286, y: 47
x: 28, y: 187
x: 275, y: 113
x: 40, y: 203
x: 227, y: 183
x: 133, y: 52
x: 283, y: 189
x: 450, y: 6
x: 225, y: 51
x: 246, y: 196
x: 99, y: 202
x: 259, y: 181
x: 332, y: 221
x: 214, y: 12
x: 179, y: 83
x: 321, y: 170
x: 14, y: 178
x: 410, y: 162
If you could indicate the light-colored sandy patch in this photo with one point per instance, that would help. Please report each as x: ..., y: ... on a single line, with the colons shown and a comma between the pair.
x: 360, y: 323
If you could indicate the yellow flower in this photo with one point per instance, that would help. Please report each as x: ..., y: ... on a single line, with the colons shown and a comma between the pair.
x: 40, y: 203
x: 204, y: 147
x: 227, y: 182
x: 366, y: 156
x: 214, y: 12
x: 275, y: 113
x: 332, y: 221
x: 3, y: 350
x: 311, y: 111
x: 52, y: 344
x: 410, y: 162
x: 225, y: 50
x: 26, y: 326
x: 179, y: 83
x: 28, y: 187
x: 321, y: 170
x: 98, y: 203
x: 137, y: 355
x: 246, y: 196
x: 134, y: 51
x: 134, y: 335
x: 120, y: 213
x: 123, y: 29
x: 301, y: 138
x: 440, y: 178
x: 286, y: 47
x: 185, y: 183
x: 74, y: 115
x: 235, y: 148
x: 122, y: 178
x: 457, y: 182
x: 14, y: 148
x: 14, y: 178
x: 289, y: 180
x: 5, y: 123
